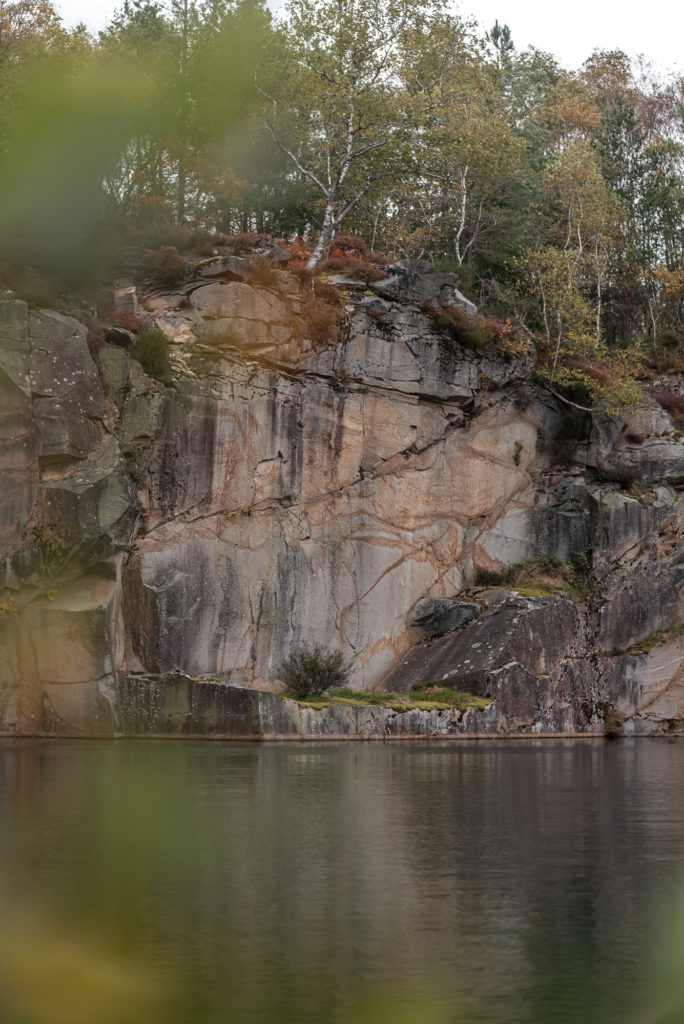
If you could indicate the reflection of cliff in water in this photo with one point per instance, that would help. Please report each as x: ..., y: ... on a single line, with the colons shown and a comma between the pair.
x: 287, y: 884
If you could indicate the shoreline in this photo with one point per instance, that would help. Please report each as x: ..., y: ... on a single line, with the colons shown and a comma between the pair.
x: 299, y: 740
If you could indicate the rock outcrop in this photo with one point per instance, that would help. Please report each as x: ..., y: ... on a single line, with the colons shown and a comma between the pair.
x: 351, y: 493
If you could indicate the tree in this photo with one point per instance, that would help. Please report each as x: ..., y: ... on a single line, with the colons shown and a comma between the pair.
x: 29, y: 30
x: 585, y: 214
x: 200, y: 58
x: 462, y: 148
x: 28, y: 20
x: 500, y: 38
x: 337, y: 114
x: 645, y: 177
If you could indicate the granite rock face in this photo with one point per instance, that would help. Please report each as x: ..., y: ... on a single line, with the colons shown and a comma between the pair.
x: 179, y: 706
x: 349, y: 493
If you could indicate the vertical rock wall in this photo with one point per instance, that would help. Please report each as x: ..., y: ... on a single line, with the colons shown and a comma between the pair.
x: 283, y: 493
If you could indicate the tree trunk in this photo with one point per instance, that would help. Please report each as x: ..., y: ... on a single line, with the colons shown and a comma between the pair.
x: 182, y: 186
x: 182, y: 183
x: 327, y: 231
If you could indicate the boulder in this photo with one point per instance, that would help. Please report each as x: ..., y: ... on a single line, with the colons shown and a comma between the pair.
x: 404, y: 284
x: 126, y: 299
x: 237, y: 300
x: 434, y: 616
x: 229, y: 267
x: 272, y: 251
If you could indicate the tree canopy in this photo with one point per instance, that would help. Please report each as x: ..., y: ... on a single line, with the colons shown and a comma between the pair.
x: 556, y: 195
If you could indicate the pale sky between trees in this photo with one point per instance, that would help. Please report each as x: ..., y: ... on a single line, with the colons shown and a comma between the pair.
x: 656, y: 31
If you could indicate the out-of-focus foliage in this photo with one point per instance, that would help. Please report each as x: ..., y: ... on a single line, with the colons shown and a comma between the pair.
x: 49, y: 975
x: 105, y: 140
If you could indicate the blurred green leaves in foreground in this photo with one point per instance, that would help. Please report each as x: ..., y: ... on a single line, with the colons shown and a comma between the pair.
x: 169, y: 883
x: 49, y: 975
x: 82, y: 123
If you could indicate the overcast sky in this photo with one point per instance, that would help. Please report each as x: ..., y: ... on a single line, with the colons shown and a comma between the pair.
x: 656, y: 31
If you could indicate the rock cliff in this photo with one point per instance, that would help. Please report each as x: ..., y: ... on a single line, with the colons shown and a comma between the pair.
x: 367, y: 492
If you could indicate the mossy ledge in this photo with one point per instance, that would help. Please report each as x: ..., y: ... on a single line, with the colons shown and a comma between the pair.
x: 180, y: 706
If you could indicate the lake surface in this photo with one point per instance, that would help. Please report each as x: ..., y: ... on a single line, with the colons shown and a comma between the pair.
x: 198, y: 883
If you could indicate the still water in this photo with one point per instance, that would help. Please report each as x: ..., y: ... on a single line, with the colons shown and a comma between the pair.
x: 208, y: 883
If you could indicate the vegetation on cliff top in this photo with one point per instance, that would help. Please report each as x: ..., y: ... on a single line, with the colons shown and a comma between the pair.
x: 557, y: 196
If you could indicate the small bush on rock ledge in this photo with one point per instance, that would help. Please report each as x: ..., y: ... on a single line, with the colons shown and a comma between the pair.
x: 310, y: 671
x: 166, y: 267
x: 151, y: 349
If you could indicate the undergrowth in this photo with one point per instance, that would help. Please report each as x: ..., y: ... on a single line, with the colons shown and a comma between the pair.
x: 660, y: 636
x: 545, y: 577
x: 673, y: 404
x: 478, y: 334
x: 430, y: 696
x: 151, y: 349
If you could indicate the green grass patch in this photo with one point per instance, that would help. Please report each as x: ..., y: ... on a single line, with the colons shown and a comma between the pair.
x: 423, y: 697
x: 549, y: 577
x: 437, y: 693
x: 660, y: 636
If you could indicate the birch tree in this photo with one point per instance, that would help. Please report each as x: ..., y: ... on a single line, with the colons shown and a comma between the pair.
x: 464, y: 148
x: 338, y: 116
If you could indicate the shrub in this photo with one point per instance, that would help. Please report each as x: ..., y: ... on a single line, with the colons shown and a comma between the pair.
x: 128, y: 321
x: 611, y: 728
x: 480, y: 333
x: 548, y: 576
x: 299, y: 269
x: 360, y: 270
x: 600, y: 373
x: 300, y: 251
x: 673, y: 403
x: 340, y: 381
x: 166, y: 267
x: 349, y: 245
x: 243, y: 241
x: 321, y: 320
x: 667, y: 362
x: 206, y: 249
x: 327, y: 293
x: 151, y: 349
x: 454, y: 322
x: 623, y: 476
x: 491, y: 578
x: 322, y: 312
x: 313, y: 670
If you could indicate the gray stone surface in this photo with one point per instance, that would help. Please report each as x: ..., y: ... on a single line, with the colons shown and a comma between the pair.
x: 434, y: 616
x: 346, y: 494
x: 405, y: 284
x: 126, y: 299
x: 179, y: 706
x: 234, y: 299
x: 230, y: 267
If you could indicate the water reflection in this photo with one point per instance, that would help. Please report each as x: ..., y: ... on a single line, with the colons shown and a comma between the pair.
x: 200, y: 883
